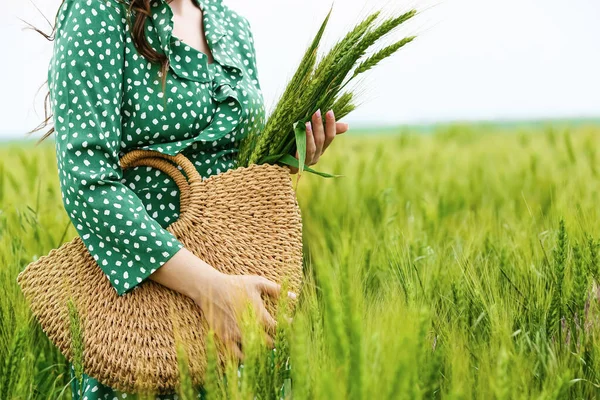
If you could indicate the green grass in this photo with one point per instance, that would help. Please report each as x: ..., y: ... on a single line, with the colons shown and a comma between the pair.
x: 452, y: 265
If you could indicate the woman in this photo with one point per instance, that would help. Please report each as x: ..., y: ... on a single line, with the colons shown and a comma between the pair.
x: 175, y: 77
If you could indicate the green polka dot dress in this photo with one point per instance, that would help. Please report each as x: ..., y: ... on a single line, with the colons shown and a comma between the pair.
x: 107, y: 100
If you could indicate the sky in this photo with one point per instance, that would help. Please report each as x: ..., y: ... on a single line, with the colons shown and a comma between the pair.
x: 472, y: 59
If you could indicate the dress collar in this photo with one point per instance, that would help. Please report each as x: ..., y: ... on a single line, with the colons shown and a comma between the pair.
x: 213, y: 18
x: 217, y: 35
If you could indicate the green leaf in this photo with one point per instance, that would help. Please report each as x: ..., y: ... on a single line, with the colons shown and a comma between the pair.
x: 294, y: 162
x: 300, y: 134
x: 287, y: 159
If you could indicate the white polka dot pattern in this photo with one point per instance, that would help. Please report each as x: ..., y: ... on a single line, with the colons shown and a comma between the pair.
x: 107, y: 99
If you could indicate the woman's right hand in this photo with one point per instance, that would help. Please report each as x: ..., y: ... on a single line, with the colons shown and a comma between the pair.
x: 319, y: 137
x: 223, y: 298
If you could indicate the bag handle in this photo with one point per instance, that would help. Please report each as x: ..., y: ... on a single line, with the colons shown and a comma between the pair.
x: 161, y: 161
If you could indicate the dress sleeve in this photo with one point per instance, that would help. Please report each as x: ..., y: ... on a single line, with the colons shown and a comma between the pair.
x: 253, y: 67
x: 260, y: 118
x: 86, y: 85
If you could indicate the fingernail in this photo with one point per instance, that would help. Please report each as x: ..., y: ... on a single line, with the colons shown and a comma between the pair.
x: 292, y: 295
x: 318, y: 113
x: 330, y: 113
x: 308, y: 125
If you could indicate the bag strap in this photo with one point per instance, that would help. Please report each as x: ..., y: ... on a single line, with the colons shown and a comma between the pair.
x: 192, y: 174
x: 161, y: 161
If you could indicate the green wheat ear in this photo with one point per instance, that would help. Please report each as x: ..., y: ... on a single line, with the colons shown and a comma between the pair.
x: 76, y: 341
x: 580, y: 284
x: 280, y: 359
x: 560, y: 259
x: 9, y: 367
x: 186, y: 387
x: 258, y: 148
x: 381, y: 55
x: 251, y: 348
x: 213, y: 381
x: 592, y: 260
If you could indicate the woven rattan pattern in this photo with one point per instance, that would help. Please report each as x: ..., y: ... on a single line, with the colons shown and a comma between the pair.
x: 242, y: 221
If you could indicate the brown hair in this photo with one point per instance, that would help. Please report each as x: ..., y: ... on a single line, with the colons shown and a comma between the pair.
x: 142, y: 12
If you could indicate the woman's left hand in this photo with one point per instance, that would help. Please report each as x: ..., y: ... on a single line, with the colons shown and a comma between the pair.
x: 319, y: 137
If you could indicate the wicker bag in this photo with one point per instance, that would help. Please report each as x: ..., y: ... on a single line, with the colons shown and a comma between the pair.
x: 242, y: 221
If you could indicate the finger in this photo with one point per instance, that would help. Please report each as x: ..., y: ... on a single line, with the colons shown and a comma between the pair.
x: 266, y: 318
x: 319, y: 135
x: 231, y: 331
x: 310, y: 144
x: 272, y: 289
x: 294, y: 170
x: 231, y: 337
x: 330, y: 128
x: 269, y: 287
x: 269, y: 340
x: 341, y: 127
x: 234, y: 349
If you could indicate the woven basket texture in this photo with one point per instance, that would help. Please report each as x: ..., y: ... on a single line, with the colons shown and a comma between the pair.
x: 242, y: 221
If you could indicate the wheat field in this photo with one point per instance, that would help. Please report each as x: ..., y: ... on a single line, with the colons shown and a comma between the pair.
x: 460, y: 264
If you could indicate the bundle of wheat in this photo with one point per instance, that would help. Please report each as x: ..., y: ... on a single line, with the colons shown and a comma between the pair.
x: 320, y: 84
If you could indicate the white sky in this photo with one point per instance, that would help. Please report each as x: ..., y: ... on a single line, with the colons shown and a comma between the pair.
x: 473, y: 59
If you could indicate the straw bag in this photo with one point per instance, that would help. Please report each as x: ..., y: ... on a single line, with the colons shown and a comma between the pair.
x: 242, y: 221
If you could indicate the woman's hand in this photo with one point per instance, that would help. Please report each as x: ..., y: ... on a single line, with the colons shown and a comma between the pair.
x: 223, y: 298
x: 318, y: 138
